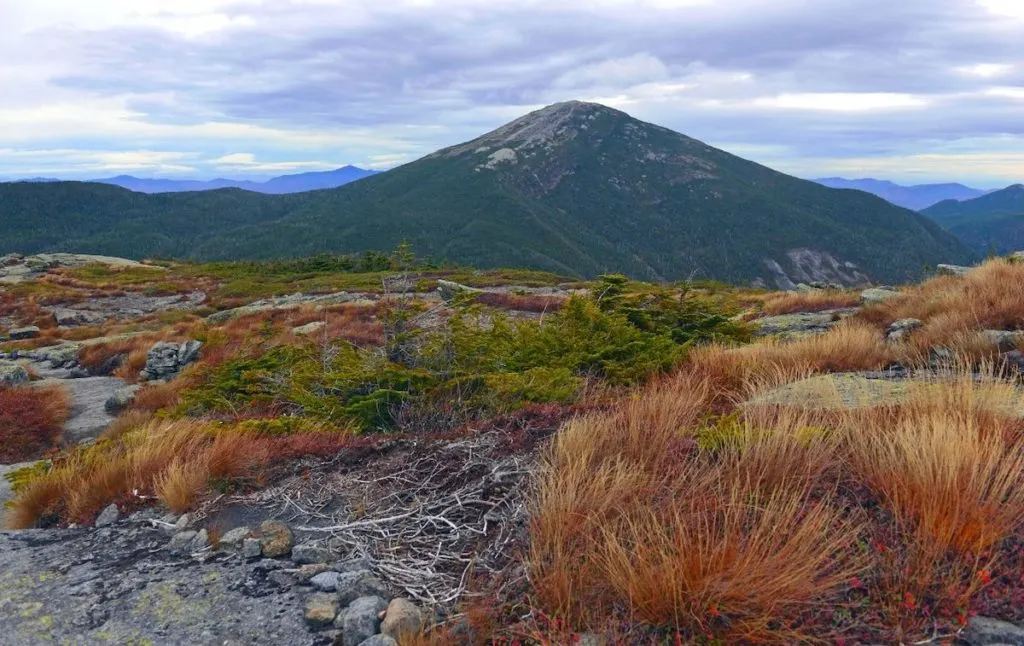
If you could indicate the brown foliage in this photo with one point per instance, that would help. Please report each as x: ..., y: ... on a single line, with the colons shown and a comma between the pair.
x: 31, y: 421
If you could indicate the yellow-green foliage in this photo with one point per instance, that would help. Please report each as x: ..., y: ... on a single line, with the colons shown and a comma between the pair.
x: 99, y: 273
x: 20, y: 478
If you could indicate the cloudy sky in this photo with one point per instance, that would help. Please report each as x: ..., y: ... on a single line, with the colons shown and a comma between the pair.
x: 909, y: 90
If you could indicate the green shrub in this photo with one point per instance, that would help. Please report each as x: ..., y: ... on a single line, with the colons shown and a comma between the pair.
x: 479, y: 362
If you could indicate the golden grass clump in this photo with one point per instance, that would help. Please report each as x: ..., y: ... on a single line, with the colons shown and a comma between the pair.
x: 736, y: 524
x: 816, y: 301
x: 990, y: 296
x: 629, y: 512
x: 158, y: 457
x: 848, y: 347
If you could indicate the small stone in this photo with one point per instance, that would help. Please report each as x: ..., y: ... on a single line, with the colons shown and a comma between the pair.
x: 200, y: 541
x: 108, y: 516
x: 877, y: 295
x: 307, y: 553
x: 11, y: 374
x: 984, y: 631
x: 352, y: 585
x: 449, y: 290
x: 182, y: 540
x: 305, y: 573
x: 379, y: 640
x: 234, y: 538
x: 309, y: 328
x: 589, y: 639
x: 321, y: 610
x: 360, y: 620
x: 67, y: 317
x: 121, y: 398
x: 1005, y: 340
x: 275, y: 538
x: 951, y: 270
x: 901, y: 329
x: 1013, y: 362
x: 183, y: 522
x: 251, y: 548
x: 29, y: 332
x: 353, y: 565
x: 402, y: 619
x: 281, y: 578
x: 325, y: 581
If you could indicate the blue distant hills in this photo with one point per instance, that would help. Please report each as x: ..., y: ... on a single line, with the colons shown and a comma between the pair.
x: 297, y: 183
x: 916, y: 197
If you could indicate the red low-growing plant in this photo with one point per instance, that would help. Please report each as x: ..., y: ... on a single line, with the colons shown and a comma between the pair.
x: 521, y: 302
x: 31, y: 420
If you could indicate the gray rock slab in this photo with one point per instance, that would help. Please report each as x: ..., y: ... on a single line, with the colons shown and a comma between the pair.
x: 985, y: 631
x: 88, y: 415
x: 117, y: 586
x: 361, y: 620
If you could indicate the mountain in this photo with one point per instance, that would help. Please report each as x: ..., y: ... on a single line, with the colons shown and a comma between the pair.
x: 576, y: 188
x: 993, y: 222
x: 911, y: 197
x: 298, y: 183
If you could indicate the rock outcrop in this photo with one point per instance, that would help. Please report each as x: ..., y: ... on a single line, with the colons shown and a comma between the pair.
x: 166, y: 360
x: 12, y: 374
x: 115, y: 585
x: 88, y: 416
x: 449, y: 290
x: 287, y: 303
x: 16, y: 268
x: 876, y: 295
x: 952, y: 270
x: 22, y: 333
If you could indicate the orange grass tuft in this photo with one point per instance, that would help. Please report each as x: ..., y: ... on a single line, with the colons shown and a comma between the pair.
x: 792, y: 302
x: 628, y: 512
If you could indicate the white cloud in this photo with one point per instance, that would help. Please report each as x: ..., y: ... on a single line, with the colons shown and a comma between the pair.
x: 309, y: 83
x: 249, y: 163
x: 842, y: 101
x: 1009, y: 92
x: 985, y: 70
x: 1011, y: 8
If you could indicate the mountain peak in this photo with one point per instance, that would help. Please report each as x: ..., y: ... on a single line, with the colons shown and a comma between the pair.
x: 548, y: 126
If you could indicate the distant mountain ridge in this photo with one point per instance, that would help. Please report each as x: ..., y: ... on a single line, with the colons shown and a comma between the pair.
x: 992, y: 222
x: 916, y: 197
x: 297, y: 183
x: 576, y: 188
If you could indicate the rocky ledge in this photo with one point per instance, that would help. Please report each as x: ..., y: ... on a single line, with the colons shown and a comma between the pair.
x: 147, y: 579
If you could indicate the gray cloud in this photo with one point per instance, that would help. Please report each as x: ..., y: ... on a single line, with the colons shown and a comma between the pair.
x: 776, y: 78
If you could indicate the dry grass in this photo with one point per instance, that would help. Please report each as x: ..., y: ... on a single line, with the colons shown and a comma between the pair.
x: 629, y: 513
x: 792, y: 302
x: 850, y: 346
x: 988, y: 297
x: 746, y: 538
x: 31, y: 421
x: 176, y: 461
x: 949, y: 466
x: 159, y: 396
x: 181, y: 483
